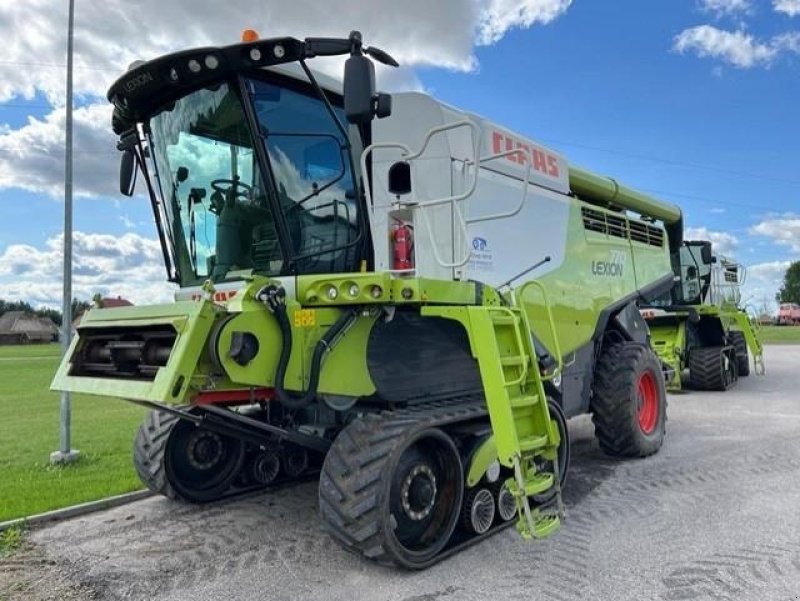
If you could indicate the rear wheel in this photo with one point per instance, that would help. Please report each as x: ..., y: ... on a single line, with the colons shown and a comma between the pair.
x: 712, y: 368
x: 629, y: 407
x: 739, y: 343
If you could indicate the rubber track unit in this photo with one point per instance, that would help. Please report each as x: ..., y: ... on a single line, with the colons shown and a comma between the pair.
x: 614, y: 410
x: 148, y: 460
x: 352, y: 486
x: 148, y: 452
x: 742, y: 356
x: 705, y: 369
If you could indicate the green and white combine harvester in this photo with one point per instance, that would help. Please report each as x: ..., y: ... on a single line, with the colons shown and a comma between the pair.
x: 700, y: 326
x: 400, y: 296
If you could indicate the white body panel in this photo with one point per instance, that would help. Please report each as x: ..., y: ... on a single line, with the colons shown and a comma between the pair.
x: 492, y: 250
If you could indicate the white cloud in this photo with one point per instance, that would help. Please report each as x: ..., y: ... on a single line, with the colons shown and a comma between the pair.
x: 32, y: 157
x: 761, y: 285
x: 130, y: 266
x: 722, y: 243
x: 789, y: 7
x: 110, y: 34
x: 725, y: 7
x: 782, y: 229
x: 498, y: 16
x: 736, y: 48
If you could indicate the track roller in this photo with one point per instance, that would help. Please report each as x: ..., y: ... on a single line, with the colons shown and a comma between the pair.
x: 264, y: 467
x: 504, y: 500
x: 478, y: 513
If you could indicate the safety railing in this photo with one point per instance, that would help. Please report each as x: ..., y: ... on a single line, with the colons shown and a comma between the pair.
x: 471, y: 170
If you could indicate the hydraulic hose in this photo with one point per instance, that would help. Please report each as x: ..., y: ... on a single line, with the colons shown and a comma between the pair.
x: 275, y: 298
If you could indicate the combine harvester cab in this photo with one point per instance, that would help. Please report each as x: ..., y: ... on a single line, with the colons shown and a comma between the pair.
x: 411, y: 306
x: 700, y: 325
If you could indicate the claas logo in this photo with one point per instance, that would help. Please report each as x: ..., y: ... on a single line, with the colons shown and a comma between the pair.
x: 541, y: 161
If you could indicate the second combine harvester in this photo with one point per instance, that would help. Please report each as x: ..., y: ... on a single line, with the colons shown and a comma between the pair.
x: 412, y: 305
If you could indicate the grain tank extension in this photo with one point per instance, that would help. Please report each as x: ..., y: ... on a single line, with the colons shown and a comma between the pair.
x: 400, y: 296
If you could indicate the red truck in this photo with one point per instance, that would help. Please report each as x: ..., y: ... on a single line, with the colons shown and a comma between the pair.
x: 789, y: 314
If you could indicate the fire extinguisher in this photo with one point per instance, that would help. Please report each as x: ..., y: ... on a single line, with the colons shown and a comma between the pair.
x: 402, y: 246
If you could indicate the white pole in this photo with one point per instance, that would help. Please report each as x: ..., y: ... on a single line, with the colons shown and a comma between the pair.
x: 66, y: 454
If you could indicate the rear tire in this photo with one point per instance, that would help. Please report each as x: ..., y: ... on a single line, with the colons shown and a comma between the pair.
x: 629, y: 407
x: 739, y: 343
x: 710, y: 368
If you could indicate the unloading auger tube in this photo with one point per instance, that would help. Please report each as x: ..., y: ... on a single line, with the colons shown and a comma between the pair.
x: 607, y: 191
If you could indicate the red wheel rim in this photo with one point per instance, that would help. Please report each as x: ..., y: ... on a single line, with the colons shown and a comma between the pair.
x: 647, y: 394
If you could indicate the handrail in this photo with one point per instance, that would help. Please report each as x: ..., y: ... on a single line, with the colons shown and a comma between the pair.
x: 525, y: 185
x: 407, y: 155
x: 519, y: 295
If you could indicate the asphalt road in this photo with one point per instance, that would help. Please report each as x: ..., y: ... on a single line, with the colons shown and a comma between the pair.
x: 714, y: 515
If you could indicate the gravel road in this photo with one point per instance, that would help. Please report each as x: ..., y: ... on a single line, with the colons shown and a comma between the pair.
x: 714, y: 515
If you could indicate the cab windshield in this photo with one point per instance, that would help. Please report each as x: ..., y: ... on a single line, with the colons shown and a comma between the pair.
x: 224, y: 214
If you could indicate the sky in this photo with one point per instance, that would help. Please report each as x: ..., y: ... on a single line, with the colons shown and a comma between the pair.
x: 694, y: 102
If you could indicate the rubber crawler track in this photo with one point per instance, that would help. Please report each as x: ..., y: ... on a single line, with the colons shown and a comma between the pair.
x: 705, y: 369
x: 739, y: 343
x: 352, y: 483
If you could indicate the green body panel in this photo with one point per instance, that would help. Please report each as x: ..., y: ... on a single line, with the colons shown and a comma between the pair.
x: 313, y: 290
x: 668, y: 340
x: 173, y: 383
x: 584, y: 286
x: 484, y: 456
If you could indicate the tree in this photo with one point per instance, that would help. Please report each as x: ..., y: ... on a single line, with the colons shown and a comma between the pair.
x: 78, y: 306
x: 790, y: 291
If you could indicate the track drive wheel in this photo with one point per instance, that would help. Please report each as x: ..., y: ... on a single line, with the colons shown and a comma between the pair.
x: 391, y: 493
x: 176, y: 459
x: 629, y: 407
x: 742, y: 356
x: 711, y: 368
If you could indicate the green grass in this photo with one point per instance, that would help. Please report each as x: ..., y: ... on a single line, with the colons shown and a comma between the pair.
x: 780, y: 334
x: 11, y: 540
x: 102, y: 429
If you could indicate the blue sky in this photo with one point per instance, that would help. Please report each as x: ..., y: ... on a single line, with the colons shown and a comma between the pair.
x: 694, y: 102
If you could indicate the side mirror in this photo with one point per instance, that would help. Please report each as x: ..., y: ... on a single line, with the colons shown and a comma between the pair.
x: 400, y: 178
x: 182, y: 174
x: 127, y: 172
x: 705, y: 254
x: 359, y: 89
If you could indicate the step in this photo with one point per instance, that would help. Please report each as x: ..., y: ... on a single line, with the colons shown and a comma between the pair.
x: 513, y: 360
x: 545, y: 525
x: 533, y: 443
x: 523, y: 401
x: 539, y: 483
